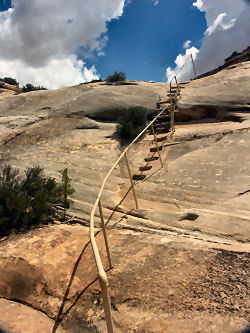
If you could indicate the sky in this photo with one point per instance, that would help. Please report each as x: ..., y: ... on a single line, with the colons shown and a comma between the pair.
x: 61, y: 43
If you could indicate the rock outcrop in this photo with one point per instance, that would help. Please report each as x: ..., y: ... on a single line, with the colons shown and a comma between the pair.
x: 17, y: 317
x: 9, y: 89
x: 180, y: 260
x: 159, y: 281
x: 235, y: 58
x: 223, y: 96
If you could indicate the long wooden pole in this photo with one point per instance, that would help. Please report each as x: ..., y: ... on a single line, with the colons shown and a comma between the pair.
x: 105, y: 234
x: 177, y: 86
x: 155, y: 140
x: 107, y: 306
x: 172, y: 118
x: 131, y: 180
x: 194, y: 67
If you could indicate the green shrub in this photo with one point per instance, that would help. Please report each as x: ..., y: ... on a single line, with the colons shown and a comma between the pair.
x: 151, y: 114
x: 30, y: 87
x: 12, y: 203
x: 117, y: 76
x: 131, y: 123
x: 94, y: 81
x: 9, y: 80
x: 66, y: 191
x: 29, y: 201
x: 41, y: 193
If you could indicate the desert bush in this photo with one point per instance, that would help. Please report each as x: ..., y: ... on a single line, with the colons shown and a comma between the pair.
x: 67, y: 190
x: 9, y: 80
x: 29, y: 201
x: 12, y: 203
x: 41, y: 193
x: 234, y: 54
x: 30, y: 87
x: 117, y: 76
x: 131, y: 123
x: 95, y: 80
x: 151, y: 114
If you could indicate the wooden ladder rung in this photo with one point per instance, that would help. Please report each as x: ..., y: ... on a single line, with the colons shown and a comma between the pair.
x: 145, y: 168
x: 138, y: 177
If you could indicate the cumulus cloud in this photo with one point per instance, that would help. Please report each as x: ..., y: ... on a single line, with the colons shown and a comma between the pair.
x: 198, y: 4
x: 228, y: 30
x: 39, y: 35
x: 180, y: 61
x: 186, y: 44
x: 56, y: 74
x: 218, y: 24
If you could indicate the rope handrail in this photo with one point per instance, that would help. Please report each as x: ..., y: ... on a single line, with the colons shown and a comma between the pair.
x: 175, y: 76
x: 101, y: 272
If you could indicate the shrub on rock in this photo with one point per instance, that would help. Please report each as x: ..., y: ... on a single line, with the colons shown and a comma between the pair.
x: 9, y: 80
x: 29, y: 201
x: 131, y: 123
x: 116, y: 77
x: 30, y: 87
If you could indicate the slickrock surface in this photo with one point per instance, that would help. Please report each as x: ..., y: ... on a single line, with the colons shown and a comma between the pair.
x: 158, y: 282
x: 18, y: 318
x: 181, y: 260
x: 219, y: 95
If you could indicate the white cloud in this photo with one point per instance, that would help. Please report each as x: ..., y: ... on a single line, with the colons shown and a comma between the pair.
x: 186, y: 44
x: 180, y: 60
x: 218, y: 24
x: 198, y: 4
x: 57, y: 73
x: 39, y: 35
x: 228, y: 30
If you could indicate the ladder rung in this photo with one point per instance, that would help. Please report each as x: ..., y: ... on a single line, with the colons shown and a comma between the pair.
x: 163, y: 130
x: 138, y: 177
x: 152, y: 158
x: 166, y: 101
x: 146, y: 168
x: 162, y: 124
x: 154, y: 149
x: 163, y: 138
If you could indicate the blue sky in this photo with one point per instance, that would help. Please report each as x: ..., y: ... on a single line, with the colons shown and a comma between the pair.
x: 4, y: 5
x: 44, y: 43
x: 146, y: 38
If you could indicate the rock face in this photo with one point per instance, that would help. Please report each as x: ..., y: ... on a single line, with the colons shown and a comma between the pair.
x: 97, y: 100
x: 16, y: 318
x: 6, y: 88
x: 180, y: 259
x: 235, y: 58
x: 218, y: 96
x: 157, y: 281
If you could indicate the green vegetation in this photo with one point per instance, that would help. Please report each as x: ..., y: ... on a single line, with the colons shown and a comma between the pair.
x: 131, y: 123
x: 30, y: 201
x: 234, y: 54
x: 116, y: 77
x: 9, y: 80
x: 94, y: 81
x: 66, y: 191
x: 30, y: 87
x: 26, y: 88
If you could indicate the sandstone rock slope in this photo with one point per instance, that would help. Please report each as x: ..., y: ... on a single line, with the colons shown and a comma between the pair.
x: 180, y: 261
